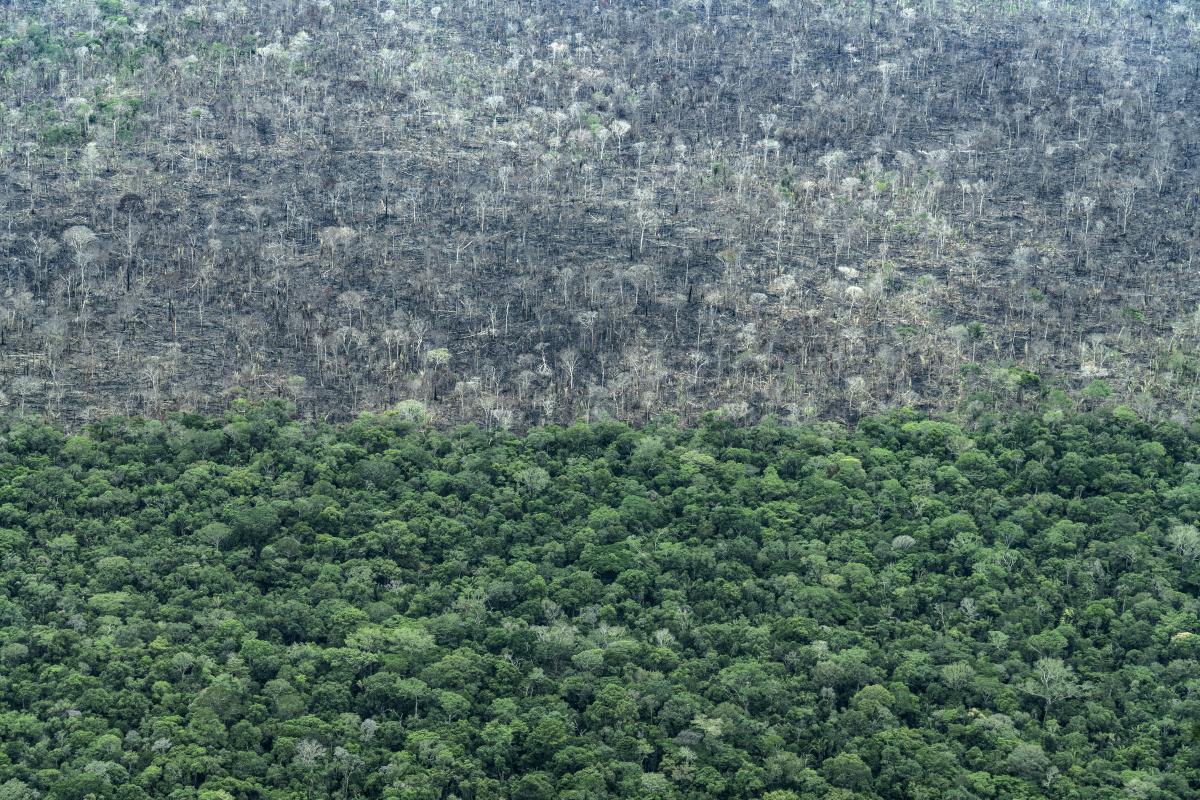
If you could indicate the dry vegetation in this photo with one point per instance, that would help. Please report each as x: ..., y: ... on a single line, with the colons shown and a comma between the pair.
x: 527, y: 211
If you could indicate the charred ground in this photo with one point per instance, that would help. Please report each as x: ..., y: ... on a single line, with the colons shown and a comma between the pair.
x: 534, y: 211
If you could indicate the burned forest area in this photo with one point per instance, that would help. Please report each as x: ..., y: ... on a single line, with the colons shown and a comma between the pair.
x: 524, y: 213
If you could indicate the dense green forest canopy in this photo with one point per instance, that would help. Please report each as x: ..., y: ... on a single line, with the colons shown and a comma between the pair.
x: 246, y: 607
